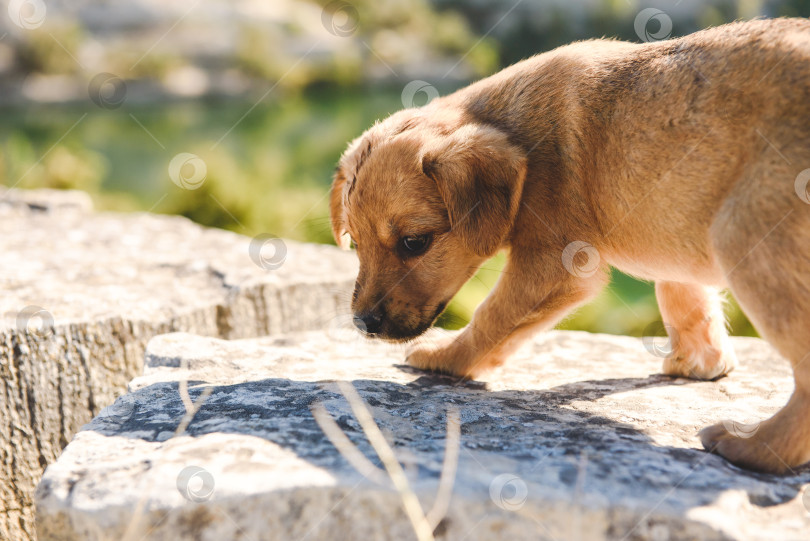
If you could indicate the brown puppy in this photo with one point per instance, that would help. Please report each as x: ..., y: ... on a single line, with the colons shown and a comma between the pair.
x: 679, y: 161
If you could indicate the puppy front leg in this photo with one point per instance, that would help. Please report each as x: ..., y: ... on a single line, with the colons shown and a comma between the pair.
x: 529, y: 296
x: 696, y: 325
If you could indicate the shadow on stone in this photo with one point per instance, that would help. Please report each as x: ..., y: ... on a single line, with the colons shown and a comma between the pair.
x: 533, y: 428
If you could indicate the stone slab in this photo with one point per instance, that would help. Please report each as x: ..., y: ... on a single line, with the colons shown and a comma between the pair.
x: 578, y: 437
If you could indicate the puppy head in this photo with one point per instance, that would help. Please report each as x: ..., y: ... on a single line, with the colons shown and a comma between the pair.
x: 424, y: 206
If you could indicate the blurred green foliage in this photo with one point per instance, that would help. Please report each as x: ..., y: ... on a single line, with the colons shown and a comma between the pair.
x: 50, y: 50
x: 397, y: 29
x: 267, y: 172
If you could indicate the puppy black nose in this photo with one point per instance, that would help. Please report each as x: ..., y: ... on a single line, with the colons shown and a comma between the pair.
x: 369, y: 322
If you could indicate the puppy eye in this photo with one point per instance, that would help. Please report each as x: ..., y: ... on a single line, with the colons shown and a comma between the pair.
x: 414, y: 245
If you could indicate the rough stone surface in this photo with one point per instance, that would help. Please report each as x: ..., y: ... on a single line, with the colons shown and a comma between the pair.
x: 578, y: 437
x: 104, y: 284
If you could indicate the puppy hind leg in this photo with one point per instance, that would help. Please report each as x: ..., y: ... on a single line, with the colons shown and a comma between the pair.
x: 693, y: 315
x: 767, y: 271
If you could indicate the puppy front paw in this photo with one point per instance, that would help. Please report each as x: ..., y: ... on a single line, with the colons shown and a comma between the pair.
x: 436, y: 356
x: 696, y: 356
x: 706, y: 363
x: 449, y: 355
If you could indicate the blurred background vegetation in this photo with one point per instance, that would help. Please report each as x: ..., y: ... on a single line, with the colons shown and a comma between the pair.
x: 100, y: 96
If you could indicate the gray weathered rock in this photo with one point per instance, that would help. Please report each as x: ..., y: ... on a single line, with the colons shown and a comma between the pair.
x: 82, y: 293
x: 578, y: 437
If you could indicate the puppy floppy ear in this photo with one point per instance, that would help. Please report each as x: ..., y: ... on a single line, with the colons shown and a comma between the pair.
x: 480, y: 179
x: 337, y: 211
x: 343, y: 184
